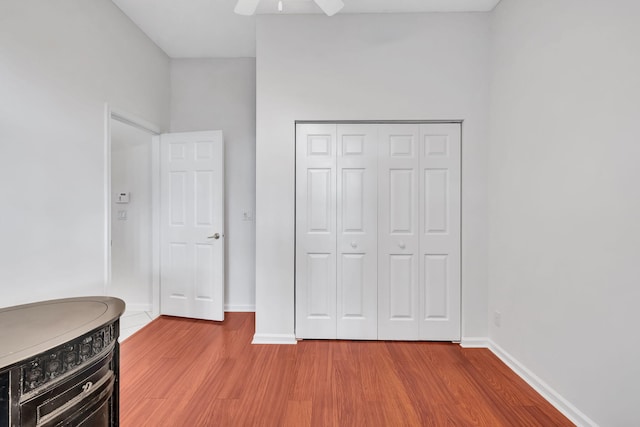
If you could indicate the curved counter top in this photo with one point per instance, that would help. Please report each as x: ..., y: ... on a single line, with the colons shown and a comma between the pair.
x: 30, y: 329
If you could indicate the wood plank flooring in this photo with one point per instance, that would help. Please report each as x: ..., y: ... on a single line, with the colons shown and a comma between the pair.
x: 182, y: 372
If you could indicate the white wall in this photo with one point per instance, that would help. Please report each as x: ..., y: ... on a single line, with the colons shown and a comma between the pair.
x: 131, y: 267
x: 212, y: 94
x: 59, y: 63
x: 365, y: 67
x: 565, y: 198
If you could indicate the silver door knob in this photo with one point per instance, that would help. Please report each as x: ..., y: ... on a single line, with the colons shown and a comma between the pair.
x: 354, y: 245
x: 215, y: 236
x: 402, y: 245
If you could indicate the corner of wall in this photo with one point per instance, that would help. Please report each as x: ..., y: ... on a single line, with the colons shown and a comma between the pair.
x: 474, y: 342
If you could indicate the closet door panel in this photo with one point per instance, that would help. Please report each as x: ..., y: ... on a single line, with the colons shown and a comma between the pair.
x: 357, y: 232
x: 319, y: 283
x: 398, y: 232
x: 353, y: 293
x: 440, y: 160
x: 319, y: 203
x: 353, y: 188
x: 401, y: 293
x: 402, y: 203
x: 315, y: 231
x: 436, y: 284
x: 436, y: 189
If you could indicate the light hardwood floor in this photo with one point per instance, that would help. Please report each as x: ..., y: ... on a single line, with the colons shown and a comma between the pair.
x: 181, y: 372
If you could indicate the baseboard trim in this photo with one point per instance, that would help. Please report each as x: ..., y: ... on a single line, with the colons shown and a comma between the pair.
x: 274, y: 339
x: 474, y: 342
x: 240, y: 308
x: 138, y: 307
x: 552, y: 396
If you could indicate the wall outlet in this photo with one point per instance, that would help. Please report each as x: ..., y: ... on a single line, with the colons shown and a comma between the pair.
x: 122, y: 197
x: 497, y: 318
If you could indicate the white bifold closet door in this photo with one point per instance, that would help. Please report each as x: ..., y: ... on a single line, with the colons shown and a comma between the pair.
x: 398, y: 259
x: 378, y: 231
x: 419, y: 232
x: 336, y: 229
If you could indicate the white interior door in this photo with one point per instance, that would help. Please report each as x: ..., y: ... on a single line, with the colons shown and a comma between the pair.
x: 357, y: 232
x: 336, y: 229
x: 316, y: 230
x: 398, y: 235
x: 192, y: 225
x: 440, y: 188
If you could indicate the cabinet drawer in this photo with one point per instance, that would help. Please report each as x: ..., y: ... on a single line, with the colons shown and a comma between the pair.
x: 70, y: 396
x: 82, y: 407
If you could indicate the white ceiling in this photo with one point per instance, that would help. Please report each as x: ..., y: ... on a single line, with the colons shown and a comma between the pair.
x: 210, y: 29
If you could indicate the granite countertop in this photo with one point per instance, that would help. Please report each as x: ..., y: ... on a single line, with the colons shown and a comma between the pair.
x: 30, y: 329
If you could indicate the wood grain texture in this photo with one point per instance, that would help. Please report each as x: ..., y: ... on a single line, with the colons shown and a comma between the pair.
x: 183, y: 372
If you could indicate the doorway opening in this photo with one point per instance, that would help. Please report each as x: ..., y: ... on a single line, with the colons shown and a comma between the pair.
x: 131, y: 231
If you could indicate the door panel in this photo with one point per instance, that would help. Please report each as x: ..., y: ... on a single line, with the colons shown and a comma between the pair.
x: 192, y: 212
x: 320, y: 205
x: 204, y: 272
x: 353, y: 197
x: 440, y: 232
x: 402, y: 289
x: 316, y: 231
x: 178, y: 198
x: 398, y: 238
x: 401, y: 201
x: 435, y: 285
x: 173, y: 270
x: 353, y: 284
x: 436, y: 201
x: 204, y: 207
x: 357, y: 226
x: 320, y: 285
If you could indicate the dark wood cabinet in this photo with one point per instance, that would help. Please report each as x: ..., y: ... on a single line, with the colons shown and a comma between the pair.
x: 59, y: 363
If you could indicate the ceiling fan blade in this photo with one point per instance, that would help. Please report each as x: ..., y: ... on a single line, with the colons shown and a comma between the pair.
x: 330, y: 7
x: 246, y: 7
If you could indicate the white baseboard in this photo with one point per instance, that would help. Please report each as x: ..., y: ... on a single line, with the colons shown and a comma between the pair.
x: 138, y: 307
x: 242, y: 308
x: 552, y: 396
x: 274, y: 339
x: 474, y: 342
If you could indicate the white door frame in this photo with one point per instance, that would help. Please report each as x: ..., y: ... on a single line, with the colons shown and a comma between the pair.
x: 153, y: 130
